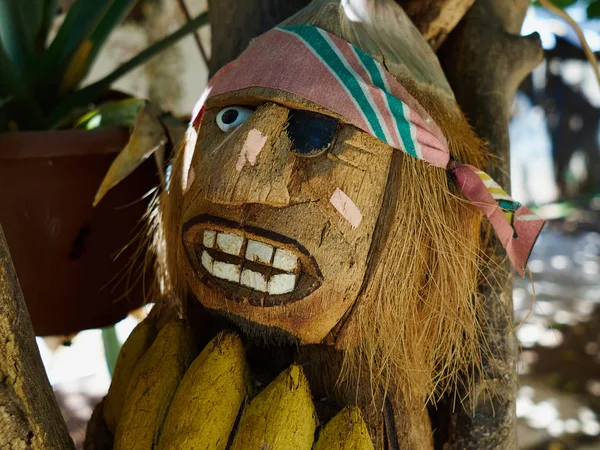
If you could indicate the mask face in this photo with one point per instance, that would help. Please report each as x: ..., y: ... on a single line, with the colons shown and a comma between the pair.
x: 279, y: 210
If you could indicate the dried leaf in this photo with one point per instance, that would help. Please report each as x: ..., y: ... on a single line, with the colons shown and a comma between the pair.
x: 148, y: 136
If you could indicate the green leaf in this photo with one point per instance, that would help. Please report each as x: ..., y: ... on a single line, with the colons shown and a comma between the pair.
x: 10, y: 78
x: 48, y: 14
x: 80, y: 22
x: 91, y: 93
x: 32, y: 13
x: 15, y: 34
x: 119, y: 113
x: 16, y: 97
x: 112, y: 347
x: 593, y: 10
x: 114, y: 15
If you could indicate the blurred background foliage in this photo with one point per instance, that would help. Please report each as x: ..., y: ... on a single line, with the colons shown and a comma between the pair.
x: 42, y: 70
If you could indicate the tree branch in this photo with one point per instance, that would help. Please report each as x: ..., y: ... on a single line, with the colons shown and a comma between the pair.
x: 29, y: 415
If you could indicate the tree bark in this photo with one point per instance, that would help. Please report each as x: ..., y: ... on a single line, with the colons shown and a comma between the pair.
x: 235, y: 23
x: 29, y: 415
x: 485, y: 61
x: 435, y: 19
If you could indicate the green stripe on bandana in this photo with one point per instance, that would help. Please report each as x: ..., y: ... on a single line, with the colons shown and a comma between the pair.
x: 395, y: 106
x: 317, y: 43
x: 314, y: 39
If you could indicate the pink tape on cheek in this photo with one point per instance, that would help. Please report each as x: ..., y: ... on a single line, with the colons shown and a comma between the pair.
x: 251, y: 149
x: 346, y: 207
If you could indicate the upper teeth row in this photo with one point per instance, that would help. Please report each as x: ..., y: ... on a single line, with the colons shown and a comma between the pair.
x: 233, y: 244
x: 260, y: 252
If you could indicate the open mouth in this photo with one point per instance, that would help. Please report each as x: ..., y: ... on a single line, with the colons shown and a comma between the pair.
x: 248, y: 263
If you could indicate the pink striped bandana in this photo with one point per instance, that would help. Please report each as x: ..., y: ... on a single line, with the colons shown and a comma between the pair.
x: 324, y: 69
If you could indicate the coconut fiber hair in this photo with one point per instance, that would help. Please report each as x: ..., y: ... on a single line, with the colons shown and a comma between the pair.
x: 414, y: 326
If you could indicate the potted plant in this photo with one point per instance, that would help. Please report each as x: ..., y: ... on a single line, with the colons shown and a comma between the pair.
x: 64, y: 249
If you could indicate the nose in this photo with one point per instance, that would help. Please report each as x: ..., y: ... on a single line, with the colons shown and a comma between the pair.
x: 253, y: 164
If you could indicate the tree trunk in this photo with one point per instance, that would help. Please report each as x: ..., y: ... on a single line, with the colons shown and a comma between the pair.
x: 235, y: 23
x: 485, y: 61
x: 29, y: 415
x: 435, y: 19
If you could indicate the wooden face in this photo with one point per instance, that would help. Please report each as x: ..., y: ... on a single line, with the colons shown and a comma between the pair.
x: 279, y: 210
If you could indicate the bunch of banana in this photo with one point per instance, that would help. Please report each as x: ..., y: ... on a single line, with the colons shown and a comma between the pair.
x: 152, y: 386
x: 282, y: 416
x: 132, y: 350
x: 346, y: 431
x: 158, y: 400
x: 209, y: 397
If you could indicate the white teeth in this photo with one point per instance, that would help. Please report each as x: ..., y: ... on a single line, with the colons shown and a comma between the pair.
x: 282, y: 283
x: 254, y: 280
x: 226, y: 271
x: 255, y: 251
x: 230, y: 243
x: 209, y: 238
x: 285, y: 260
x: 207, y: 261
x: 259, y: 252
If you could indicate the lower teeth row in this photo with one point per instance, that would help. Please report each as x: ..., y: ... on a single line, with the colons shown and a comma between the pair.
x: 278, y: 284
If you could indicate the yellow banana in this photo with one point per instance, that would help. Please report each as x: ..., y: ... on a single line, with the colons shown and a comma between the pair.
x: 134, y: 347
x: 152, y: 386
x: 208, y: 399
x: 281, y: 417
x: 346, y: 431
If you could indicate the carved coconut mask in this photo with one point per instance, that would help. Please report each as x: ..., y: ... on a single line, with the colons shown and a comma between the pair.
x: 279, y: 215
x: 285, y: 181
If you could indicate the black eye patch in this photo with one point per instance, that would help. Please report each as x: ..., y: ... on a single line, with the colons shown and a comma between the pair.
x: 311, y: 133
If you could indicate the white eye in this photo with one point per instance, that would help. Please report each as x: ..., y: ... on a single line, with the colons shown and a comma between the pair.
x: 232, y: 117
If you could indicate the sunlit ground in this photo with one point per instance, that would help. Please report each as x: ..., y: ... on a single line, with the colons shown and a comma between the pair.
x: 558, y: 402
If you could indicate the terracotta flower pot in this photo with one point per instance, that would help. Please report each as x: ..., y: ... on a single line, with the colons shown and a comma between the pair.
x: 63, y: 249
